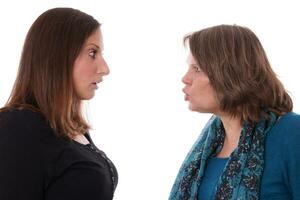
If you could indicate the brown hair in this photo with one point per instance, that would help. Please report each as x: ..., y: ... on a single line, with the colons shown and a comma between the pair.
x: 239, y: 71
x: 44, y: 81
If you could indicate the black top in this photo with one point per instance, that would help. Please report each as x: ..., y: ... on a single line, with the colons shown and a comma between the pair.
x: 35, y: 164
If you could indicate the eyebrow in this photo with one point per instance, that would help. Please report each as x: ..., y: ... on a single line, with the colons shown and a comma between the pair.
x: 93, y: 45
x: 190, y: 63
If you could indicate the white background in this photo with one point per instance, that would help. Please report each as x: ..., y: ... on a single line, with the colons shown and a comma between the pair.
x: 138, y: 114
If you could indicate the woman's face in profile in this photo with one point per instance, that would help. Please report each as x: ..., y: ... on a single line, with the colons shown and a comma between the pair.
x: 89, y: 67
x: 198, y: 90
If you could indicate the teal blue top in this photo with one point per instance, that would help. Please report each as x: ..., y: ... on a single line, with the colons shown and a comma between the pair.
x: 281, y: 177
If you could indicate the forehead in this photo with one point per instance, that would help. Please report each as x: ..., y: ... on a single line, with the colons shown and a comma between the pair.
x: 95, y: 38
x: 190, y: 59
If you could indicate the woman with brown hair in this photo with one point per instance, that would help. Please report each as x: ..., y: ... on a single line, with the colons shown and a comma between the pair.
x: 46, y: 151
x: 250, y: 148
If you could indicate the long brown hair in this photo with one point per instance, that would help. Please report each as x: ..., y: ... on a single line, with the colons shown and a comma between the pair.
x: 44, y: 81
x: 239, y: 71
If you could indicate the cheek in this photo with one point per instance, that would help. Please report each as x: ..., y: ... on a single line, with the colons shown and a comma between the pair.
x: 83, y: 72
x: 200, y: 87
x: 202, y: 91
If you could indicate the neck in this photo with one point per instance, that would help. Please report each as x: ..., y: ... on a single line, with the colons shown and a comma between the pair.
x: 232, y: 127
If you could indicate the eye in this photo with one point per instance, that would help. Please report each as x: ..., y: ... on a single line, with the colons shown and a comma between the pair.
x: 92, y: 53
x: 197, y: 68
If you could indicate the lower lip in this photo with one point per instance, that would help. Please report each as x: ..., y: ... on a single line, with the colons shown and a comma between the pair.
x: 95, y: 86
x: 186, y: 97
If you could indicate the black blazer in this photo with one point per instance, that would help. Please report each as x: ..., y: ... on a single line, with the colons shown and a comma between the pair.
x: 37, y: 165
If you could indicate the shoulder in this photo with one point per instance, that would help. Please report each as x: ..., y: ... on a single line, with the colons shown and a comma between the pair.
x: 24, y: 132
x: 17, y: 124
x: 22, y: 129
x: 282, y: 153
x: 20, y: 118
x: 20, y: 147
x: 27, y: 134
x: 287, y: 128
x: 291, y: 120
x: 284, y: 137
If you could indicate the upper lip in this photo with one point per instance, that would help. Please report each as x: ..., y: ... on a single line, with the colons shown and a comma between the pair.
x: 184, y: 91
x: 98, y: 81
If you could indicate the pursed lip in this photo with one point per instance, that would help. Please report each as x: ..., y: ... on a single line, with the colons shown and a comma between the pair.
x: 184, y: 91
x: 186, y: 94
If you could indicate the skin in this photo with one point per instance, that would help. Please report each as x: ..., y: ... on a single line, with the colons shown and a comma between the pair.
x: 202, y: 98
x: 198, y: 90
x: 89, y: 67
x: 88, y: 71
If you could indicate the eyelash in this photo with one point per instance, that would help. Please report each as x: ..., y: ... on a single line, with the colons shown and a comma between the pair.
x: 92, y: 53
x: 197, y: 68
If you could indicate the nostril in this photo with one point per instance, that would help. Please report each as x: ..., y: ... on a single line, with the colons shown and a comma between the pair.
x: 184, y: 80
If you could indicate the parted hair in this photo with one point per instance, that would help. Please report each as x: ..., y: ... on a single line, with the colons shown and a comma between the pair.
x: 44, y: 82
x: 239, y: 71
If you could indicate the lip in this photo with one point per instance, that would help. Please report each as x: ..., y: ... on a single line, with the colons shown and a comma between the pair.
x: 94, y: 85
x: 97, y: 81
x: 186, y: 96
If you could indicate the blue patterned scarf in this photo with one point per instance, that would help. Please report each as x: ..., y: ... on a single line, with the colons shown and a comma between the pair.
x: 242, y: 174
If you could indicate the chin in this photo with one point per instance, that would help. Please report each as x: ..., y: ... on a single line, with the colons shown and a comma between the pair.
x: 87, y: 96
x: 192, y: 108
x: 199, y: 109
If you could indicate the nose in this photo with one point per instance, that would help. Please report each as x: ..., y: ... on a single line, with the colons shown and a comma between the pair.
x: 103, y: 68
x: 186, y: 79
